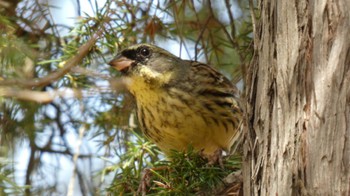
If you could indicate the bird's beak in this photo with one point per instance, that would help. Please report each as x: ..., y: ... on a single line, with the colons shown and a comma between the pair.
x: 120, y: 63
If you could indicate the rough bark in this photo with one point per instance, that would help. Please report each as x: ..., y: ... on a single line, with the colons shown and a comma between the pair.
x: 298, y: 94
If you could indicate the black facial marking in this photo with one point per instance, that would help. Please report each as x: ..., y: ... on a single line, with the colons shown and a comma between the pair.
x: 130, y: 54
x: 140, y: 54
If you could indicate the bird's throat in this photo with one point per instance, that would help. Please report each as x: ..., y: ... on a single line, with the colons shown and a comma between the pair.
x: 147, y: 82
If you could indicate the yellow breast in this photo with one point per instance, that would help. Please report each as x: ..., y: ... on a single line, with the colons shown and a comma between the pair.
x: 175, y: 120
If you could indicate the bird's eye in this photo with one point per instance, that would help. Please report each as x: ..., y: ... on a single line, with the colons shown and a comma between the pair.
x: 145, y: 52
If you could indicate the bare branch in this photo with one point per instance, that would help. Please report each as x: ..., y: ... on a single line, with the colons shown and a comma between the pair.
x: 49, y: 96
x: 28, y: 95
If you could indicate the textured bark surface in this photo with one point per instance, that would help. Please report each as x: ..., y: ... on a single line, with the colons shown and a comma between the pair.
x: 298, y: 93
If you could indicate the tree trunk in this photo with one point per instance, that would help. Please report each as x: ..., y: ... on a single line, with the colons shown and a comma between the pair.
x: 298, y: 94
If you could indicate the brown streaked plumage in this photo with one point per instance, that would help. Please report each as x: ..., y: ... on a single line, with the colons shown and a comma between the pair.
x: 180, y: 102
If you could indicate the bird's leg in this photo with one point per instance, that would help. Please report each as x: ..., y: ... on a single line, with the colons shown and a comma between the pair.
x: 213, y: 158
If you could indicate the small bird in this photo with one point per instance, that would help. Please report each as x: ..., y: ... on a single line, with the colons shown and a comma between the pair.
x: 180, y: 103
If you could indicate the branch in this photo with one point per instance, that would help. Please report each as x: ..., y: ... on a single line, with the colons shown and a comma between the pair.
x: 71, y: 184
x: 48, y: 96
x: 82, y: 52
x: 36, y: 96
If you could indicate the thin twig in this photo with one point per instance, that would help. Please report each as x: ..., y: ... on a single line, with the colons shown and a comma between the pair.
x: 232, y: 20
x: 200, y: 38
x: 75, y: 159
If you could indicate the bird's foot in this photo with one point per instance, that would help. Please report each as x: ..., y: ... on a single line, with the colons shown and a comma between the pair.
x: 214, y: 158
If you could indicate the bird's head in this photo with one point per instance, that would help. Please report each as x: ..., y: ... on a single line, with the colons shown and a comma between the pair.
x: 150, y: 64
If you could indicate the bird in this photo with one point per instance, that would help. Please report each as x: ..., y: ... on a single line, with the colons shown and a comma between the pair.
x: 180, y: 103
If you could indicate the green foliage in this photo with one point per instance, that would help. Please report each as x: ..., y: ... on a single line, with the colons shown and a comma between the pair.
x: 143, y: 169
x: 140, y: 154
x: 190, y: 173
